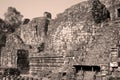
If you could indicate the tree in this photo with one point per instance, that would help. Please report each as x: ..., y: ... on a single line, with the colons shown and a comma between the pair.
x: 99, y: 11
x: 2, y: 25
x: 3, y: 30
x: 13, y: 18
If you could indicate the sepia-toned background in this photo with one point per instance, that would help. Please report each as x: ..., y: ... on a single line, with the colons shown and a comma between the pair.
x: 35, y: 8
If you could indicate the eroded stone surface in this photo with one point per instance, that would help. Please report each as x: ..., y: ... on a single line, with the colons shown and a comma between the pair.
x: 73, y: 38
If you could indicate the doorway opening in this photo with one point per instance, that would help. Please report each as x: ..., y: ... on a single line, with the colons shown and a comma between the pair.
x: 23, y: 61
x: 87, y: 68
x: 118, y: 12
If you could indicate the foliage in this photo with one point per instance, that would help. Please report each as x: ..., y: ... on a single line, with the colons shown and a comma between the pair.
x: 13, y: 18
x: 99, y: 11
x: 2, y: 25
x: 11, y: 71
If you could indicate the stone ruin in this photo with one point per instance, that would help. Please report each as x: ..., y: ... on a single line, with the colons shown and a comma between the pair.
x: 82, y: 43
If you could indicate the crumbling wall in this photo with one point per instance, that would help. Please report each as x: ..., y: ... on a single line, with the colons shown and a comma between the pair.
x: 35, y: 32
x: 73, y: 33
x: 112, y: 6
x: 9, y: 52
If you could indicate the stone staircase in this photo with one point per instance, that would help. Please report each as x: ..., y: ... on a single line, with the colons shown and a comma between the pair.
x: 44, y: 63
x: 89, y: 75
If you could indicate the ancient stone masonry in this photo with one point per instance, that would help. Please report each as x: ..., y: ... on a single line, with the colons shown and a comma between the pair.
x: 82, y: 43
x: 113, y: 7
x: 36, y: 29
x: 26, y: 21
